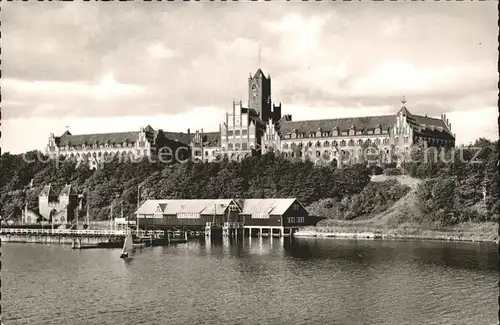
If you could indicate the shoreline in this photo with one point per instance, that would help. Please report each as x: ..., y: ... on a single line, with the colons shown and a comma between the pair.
x: 387, y: 235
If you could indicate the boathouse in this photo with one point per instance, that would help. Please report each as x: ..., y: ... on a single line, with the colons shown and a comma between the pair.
x: 163, y: 214
x: 262, y: 215
x: 284, y: 215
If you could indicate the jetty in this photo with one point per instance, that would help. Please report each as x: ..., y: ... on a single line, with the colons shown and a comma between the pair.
x: 90, y: 238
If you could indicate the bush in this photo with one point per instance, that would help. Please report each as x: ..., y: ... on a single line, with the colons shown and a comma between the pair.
x: 392, y: 171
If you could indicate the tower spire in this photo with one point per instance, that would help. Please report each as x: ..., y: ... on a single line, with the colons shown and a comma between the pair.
x: 403, y: 100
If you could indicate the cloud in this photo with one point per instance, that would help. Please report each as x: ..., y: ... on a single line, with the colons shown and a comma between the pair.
x: 100, y: 61
x: 392, y: 77
x: 158, y: 50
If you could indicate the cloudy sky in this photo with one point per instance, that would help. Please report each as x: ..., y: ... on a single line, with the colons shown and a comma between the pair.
x: 100, y: 67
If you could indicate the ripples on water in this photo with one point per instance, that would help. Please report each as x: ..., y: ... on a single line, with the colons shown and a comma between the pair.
x: 257, y: 281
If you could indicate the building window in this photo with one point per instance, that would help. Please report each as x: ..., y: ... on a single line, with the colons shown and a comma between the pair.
x: 318, y: 153
x: 300, y: 219
x: 286, y: 155
x: 285, y: 145
x: 237, y: 146
x: 351, y: 143
x: 295, y: 207
x: 310, y: 144
x: 360, y: 142
x: 342, y: 143
x: 230, y: 146
x: 243, y: 132
x: 236, y: 132
x: 318, y: 144
x: 244, y: 146
x: 291, y: 219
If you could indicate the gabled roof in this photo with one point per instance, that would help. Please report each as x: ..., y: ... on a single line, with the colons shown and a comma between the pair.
x: 171, y: 207
x: 343, y: 124
x: 267, y: 206
x: 97, y: 138
x: 47, y: 191
x: 68, y: 190
x: 178, y: 136
x: 259, y: 73
x: 211, y: 139
x: 428, y: 126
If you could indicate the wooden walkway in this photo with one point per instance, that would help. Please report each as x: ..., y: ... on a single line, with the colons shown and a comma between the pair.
x: 63, y: 232
x: 81, y: 232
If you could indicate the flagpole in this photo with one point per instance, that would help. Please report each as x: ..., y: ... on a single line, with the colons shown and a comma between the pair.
x: 137, y: 211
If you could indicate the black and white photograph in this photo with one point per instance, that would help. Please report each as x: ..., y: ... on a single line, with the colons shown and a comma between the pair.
x: 249, y: 162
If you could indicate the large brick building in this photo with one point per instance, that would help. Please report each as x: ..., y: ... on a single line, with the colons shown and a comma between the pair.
x: 259, y: 127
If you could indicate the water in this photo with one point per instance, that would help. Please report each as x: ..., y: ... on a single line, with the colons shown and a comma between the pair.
x: 254, y: 282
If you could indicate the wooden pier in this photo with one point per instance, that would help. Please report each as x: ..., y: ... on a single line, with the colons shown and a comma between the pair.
x: 91, y: 238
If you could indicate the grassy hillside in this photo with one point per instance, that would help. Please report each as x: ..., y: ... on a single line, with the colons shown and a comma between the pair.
x: 408, y: 218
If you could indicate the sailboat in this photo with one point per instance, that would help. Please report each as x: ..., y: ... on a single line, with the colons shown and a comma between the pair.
x: 128, y: 246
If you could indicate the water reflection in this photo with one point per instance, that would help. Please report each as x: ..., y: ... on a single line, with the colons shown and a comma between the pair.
x: 254, y: 281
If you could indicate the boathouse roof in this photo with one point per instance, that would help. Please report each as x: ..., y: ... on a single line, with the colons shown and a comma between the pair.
x: 267, y: 206
x: 203, y: 207
x: 217, y: 206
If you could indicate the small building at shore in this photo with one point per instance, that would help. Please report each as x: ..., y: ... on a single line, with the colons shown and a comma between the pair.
x: 283, y: 214
x: 186, y: 213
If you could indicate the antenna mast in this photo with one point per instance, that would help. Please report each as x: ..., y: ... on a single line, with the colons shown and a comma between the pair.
x: 259, y: 55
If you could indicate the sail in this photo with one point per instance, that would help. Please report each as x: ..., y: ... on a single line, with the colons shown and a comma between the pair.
x: 128, y: 245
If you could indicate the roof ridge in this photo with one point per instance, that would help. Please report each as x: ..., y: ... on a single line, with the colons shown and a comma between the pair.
x: 341, y: 118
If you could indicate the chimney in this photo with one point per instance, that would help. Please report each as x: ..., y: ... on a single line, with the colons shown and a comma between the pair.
x: 189, y: 131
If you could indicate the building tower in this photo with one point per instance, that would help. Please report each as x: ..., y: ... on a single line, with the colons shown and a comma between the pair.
x: 259, y: 95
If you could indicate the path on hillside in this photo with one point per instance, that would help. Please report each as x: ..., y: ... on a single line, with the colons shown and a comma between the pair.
x: 404, y: 206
